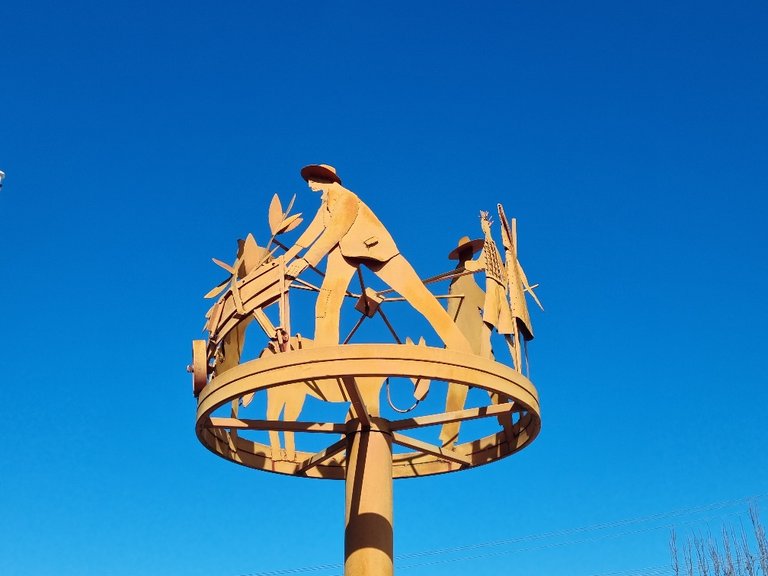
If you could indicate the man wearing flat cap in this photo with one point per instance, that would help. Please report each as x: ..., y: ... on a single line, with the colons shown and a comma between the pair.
x: 350, y: 234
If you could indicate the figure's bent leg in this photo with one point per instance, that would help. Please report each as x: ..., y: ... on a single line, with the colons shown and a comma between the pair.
x: 338, y: 273
x: 486, y: 348
x: 513, y: 343
x: 457, y: 395
x: 401, y: 276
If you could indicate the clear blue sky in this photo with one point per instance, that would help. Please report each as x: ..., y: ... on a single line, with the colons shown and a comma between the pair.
x: 141, y: 139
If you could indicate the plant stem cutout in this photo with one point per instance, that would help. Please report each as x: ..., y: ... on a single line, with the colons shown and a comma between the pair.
x: 280, y: 222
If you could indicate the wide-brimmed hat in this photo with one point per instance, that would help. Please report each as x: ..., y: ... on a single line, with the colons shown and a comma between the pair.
x: 464, y: 244
x: 322, y: 171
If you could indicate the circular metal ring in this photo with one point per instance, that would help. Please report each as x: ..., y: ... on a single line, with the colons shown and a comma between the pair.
x: 220, y: 435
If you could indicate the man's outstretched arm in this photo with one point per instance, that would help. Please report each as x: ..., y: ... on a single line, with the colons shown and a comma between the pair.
x: 342, y: 217
x: 309, y: 235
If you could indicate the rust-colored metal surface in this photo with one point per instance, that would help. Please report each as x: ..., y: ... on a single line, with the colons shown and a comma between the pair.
x: 261, y: 411
x: 331, y: 366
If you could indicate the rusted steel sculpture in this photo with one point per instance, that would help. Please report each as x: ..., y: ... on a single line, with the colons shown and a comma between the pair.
x: 290, y: 368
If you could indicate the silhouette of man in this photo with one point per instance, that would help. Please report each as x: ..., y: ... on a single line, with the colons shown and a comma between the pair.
x: 497, y: 311
x: 466, y: 310
x: 350, y: 234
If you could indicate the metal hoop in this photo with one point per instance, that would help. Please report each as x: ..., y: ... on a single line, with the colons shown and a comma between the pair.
x: 220, y: 435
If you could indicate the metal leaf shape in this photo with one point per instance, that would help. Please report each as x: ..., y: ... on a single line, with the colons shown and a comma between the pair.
x: 217, y: 290
x: 275, y: 214
x: 226, y: 267
x: 289, y: 224
x: 290, y: 205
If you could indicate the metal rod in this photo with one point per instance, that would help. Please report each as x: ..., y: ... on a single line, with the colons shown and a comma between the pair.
x: 437, y: 278
x: 443, y: 453
x: 386, y: 321
x: 456, y: 416
x: 354, y: 328
x: 439, y: 296
x: 360, y: 409
x: 322, y: 456
x: 305, y: 285
x: 280, y: 425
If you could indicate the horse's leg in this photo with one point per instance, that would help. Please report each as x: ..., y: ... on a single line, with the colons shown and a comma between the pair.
x: 275, y: 403
x: 292, y: 412
x: 370, y: 390
x: 457, y: 395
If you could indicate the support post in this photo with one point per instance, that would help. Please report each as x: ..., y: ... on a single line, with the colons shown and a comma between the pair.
x: 368, y: 529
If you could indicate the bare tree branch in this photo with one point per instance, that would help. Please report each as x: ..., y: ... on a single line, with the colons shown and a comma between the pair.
x: 762, y: 544
x: 688, y: 554
x: 701, y: 555
x: 673, y: 553
x: 749, y: 559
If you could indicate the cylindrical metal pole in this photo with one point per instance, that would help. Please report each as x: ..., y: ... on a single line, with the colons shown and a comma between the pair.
x: 368, y: 532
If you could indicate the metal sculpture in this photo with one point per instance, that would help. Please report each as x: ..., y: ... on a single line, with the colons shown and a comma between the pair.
x: 289, y: 368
